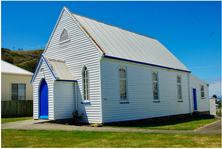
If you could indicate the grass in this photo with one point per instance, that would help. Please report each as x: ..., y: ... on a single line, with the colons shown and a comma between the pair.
x: 85, y: 139
x: 188, y: 124
x: 14, y: 119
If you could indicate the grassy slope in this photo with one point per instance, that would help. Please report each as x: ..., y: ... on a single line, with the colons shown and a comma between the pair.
x: 84, y: 139
x: 25, y: 59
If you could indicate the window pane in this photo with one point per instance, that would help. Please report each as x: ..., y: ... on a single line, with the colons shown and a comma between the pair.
x: 202, y: 88
x: 154, y: 76
x: 14, y: 88
x: 21, y: 98
x: 178, y: 79
x: 85, y: 84
x: 122, y: 73
x: 202, y: 94
x: 155, y: 90
x: 179, y: 91
x: 123, y: 95
x: 14, y: 96
x: 21, y: 89
x: 155, y: 97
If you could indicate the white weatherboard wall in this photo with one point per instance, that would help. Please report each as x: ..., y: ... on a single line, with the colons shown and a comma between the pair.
x: 202, y: 103
x: 64, y: 99
x: 140, y: 92
x: 78, y: 52
x: 212, y: 106
x: 47, y: 75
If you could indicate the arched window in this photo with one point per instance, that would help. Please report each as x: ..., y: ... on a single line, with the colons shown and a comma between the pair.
x: 179, y: 89
x: 155, y: 86
x: 85, y: 84
x: 64, y: 36
x: 123, y: 83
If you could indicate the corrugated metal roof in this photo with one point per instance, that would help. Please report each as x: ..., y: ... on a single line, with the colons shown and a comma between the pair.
x: 60, y: 70
x: 120, y: 43
x: 7, y: 68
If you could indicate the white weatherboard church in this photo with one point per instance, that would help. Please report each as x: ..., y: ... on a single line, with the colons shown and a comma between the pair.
x: 111, y: 75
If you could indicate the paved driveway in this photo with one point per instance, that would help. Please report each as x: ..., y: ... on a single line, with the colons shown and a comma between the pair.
x: 213, y: 128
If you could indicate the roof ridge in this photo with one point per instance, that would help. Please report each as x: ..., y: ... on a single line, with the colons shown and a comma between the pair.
x: 56, y: 60
x: 113, y: 26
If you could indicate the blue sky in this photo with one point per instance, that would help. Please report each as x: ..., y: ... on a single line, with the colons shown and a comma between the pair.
x: 190, y: 30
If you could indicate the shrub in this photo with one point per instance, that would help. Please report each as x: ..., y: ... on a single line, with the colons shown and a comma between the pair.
x: 76, y: 117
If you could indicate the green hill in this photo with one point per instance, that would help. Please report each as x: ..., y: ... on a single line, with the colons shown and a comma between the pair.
x: 27, y: 60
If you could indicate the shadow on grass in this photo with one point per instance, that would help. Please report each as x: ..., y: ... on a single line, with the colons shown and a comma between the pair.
x: 185, y: 124
x: 193, y: 121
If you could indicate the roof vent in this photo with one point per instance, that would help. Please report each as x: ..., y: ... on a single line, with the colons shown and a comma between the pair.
x: 64, y: 36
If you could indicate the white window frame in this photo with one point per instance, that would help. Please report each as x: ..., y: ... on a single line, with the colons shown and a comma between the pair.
x: 18, y: 90
x: 154, y: 81
x: 180, y: 83
x: 61, y: 36
x: 202, y: 92
x: 121, y: 100
x: 85, y: 78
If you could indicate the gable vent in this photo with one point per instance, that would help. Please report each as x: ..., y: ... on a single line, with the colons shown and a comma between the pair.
x: 64, y: 36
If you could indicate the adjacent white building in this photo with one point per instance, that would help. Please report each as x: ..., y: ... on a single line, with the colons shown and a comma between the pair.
x: 111, y: 75
x: 15, y: 83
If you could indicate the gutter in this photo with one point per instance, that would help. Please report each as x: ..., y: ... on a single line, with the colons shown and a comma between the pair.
x: 138, y: 62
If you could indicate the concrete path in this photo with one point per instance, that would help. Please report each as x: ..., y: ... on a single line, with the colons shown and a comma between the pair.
x: 213, y: 128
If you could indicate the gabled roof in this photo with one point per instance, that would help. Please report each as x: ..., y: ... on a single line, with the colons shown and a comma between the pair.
x: 58, y: 69
x: 198, y: 79
x: 121, y: 44
x: 7, y: 68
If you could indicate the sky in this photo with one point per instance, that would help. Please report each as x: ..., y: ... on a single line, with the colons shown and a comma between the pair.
x: 190, y: 30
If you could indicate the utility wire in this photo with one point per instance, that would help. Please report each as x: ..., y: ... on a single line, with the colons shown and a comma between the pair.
x: 205, y: 67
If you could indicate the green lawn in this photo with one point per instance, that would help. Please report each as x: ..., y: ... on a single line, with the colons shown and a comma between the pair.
x: 7, y: 120
x: 188, y: 124
x: 84, y: 139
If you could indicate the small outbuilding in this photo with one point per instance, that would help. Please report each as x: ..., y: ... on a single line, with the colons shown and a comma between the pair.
x: 111, y: 75
x: 15, y: 83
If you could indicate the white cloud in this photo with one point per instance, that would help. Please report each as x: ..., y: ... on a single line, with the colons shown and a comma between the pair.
x: 215, y: 87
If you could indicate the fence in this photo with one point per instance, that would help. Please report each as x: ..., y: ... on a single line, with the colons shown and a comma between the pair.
x: 17, y: 108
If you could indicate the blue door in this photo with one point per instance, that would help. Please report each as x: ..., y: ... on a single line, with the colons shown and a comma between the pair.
x: 194, y: 99
x: 43, y: 100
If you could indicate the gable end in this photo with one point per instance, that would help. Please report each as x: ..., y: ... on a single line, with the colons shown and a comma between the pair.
x: 38, y: 67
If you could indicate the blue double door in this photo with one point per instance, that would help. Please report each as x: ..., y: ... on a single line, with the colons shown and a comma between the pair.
x: 43, y: 100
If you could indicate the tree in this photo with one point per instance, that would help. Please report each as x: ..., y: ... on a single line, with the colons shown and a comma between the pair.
x: 214, y: 96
